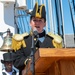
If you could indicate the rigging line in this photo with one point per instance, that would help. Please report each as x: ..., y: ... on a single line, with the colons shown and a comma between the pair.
x: 53, y: 19
x: 15, y: 22
x: 51, y: 16
x: 23, y: 24
x: 58, y: 10
x: 20, y: 23
x: 20, y: 30
x: 57, y: 16
x: 74, y: 5
x: 25, y: 19
x: 27, y: 23
x: 44, y: 2
x: 72, y: 20
x: 48, y: 19
x: 62, y: 25
x: 73, y: 2
x: 61, y: 18
x: 15, y: 16
x: 31, y: 3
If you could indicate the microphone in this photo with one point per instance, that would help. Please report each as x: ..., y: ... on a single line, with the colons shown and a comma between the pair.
x: 35, y: 33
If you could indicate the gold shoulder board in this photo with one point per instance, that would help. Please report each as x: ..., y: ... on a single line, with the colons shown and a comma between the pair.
x: 56, y: 37
x: 18, y: 41
x: 19, y: 37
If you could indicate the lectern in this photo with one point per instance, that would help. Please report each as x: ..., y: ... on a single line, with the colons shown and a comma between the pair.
x: 53, y: 61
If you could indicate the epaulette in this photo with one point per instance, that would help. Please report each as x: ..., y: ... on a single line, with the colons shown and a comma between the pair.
x: 56, y: 37
x: 19, y: 37
x: 18, y: 41
x: 57, y: 40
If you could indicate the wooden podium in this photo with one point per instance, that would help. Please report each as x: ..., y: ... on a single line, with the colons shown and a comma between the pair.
x: 53, y: 61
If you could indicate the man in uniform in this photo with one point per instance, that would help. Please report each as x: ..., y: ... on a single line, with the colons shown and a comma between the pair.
x: 22, y: 43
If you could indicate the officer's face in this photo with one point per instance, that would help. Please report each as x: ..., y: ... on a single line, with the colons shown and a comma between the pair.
x: 37, y: 23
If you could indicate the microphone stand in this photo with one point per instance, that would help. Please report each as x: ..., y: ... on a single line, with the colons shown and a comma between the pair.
x: 32, y: 68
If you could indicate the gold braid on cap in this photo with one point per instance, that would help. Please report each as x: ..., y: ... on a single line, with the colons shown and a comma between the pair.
x: 38, y: 14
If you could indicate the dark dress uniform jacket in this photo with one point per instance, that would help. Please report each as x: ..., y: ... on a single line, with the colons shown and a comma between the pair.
x: 23, y: 53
